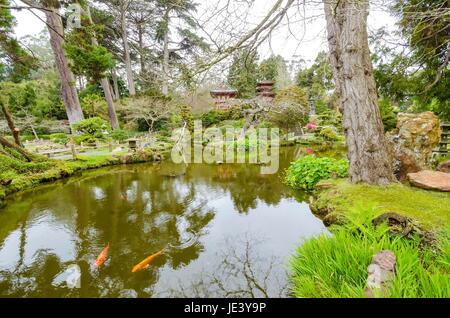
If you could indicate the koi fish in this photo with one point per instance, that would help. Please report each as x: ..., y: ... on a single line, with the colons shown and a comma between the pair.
x: 146, y: 262
x: 102, y: 256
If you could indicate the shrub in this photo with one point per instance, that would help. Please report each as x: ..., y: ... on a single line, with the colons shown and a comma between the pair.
x: 86, y: 139
x: 59, y: 138
x: 290, y: 109
x: 119, y: 135
x: 305, y: 172
x: 213, y: 117
x: 93, y: 127
x: 336, y: 266
x: 388, y: 116
x: 328, y: 134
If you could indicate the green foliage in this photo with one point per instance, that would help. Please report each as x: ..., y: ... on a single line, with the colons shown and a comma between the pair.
x: 329, y: 134
x: 388, y: 116
x: 93, y: 105
x: 336, y: 266
x: 119, y: 135
x: 15, y: 62
x: 87, y: 59
x: 290, y: 108
x: 243, y: 73
x: 305, y: 172
x: 318, y: 81
x: 416, y: 78
x: 39, y: 98
x: 59, y: 138
x: 213, y: 117
x: 429, y: 208
x: 93, y: 127
x: 330, y: 117
x: 274, y: 69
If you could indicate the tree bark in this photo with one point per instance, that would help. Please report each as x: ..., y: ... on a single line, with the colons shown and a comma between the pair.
x: 368, y: 153
x: 141, y: 47
x: 165, y: 62
x: 68, y: 87
x: 126, y: 48
x: 115, y: 84
x: 9, y: 119
x: 105, y: 85
x: 5, y: 143
x: 110, y: 103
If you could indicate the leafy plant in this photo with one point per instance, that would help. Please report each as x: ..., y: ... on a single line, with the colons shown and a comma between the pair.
x: 305, y: 172
x: 328, y: 134
x: 213, y: 117
x: 119, y: 134
x: 93, y: 127
x: 336, y: 266
x: 388, y: 116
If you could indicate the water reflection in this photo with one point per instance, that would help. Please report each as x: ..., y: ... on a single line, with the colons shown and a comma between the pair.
x: 196, y: 210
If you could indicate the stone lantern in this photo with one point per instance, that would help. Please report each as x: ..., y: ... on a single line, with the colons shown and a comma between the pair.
x: 312, y: 106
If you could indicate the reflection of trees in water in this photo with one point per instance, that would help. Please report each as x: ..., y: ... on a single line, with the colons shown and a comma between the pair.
x: 241, y: 272
x: 139, y: 211
x: 134, y: 232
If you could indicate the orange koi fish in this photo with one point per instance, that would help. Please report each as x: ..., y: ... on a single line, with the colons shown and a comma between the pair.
x: 146, y: 262
x: 102, y: 256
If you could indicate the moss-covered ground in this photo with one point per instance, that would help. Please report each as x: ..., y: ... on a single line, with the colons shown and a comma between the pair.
x: 431, y: 209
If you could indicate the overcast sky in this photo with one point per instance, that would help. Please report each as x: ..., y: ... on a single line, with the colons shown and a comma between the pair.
x: 299, y: 40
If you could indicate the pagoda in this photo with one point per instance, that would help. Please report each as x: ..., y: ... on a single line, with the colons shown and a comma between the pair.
x: 264, y: 89
x: 222, y: 96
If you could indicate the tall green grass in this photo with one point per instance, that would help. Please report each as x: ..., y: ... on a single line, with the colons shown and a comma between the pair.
x: 336, y: 266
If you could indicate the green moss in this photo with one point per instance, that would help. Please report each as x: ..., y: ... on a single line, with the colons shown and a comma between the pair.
x: 429, y: 208
x: 26, y: 175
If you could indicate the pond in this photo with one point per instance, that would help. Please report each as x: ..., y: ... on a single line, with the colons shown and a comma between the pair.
x: 227, y: 231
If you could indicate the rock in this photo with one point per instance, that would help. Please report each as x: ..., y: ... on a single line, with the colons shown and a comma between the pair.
x: 413, y: 141
x: 398, y: 224
x: 324, y: 185
x: 380, y: 273
x: 444, y: 167
x: 430, y: 180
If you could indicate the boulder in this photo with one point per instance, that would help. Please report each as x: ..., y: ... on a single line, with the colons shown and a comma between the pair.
x: 430, y: 180
x: 444, y: 167
x: 413, y: 141
x: 380, y: 274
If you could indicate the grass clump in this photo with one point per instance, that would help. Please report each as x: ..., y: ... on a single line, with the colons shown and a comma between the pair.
x: 307, y: 171
x: 336, y: 266
x: 429, y: 208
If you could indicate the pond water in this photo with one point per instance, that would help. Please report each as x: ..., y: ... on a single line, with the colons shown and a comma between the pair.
x: 227, y: 229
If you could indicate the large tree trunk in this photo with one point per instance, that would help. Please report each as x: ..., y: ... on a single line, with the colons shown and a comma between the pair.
x: 110, y: 103
x: 115, y: 84
x: 141, y: 47
x: 105, y: 84
x: 368, y: 154
x: 14, y: 130
x: 5, y: 143
x: 126, y: 48
x: 68, y: 88
x: 165, y: 62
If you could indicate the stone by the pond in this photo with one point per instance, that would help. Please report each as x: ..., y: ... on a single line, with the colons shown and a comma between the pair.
x: 430, y: 180
x: 380, y: 273
x: 444, y: 167
x: 413, y: 141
